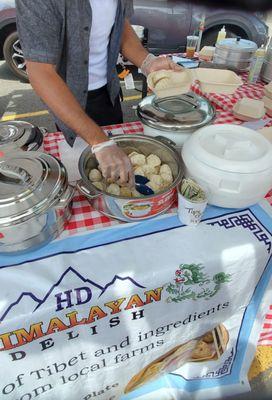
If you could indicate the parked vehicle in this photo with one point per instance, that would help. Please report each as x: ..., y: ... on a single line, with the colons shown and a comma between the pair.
x: 168, y: 23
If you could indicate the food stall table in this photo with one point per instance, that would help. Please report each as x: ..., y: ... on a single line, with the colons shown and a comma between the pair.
x: 52, y: 360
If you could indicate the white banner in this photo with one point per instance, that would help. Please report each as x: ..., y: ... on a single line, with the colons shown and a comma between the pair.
x: 82, y: 324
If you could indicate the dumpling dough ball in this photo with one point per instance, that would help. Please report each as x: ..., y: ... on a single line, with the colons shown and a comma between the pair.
x: 99, y: 185
x: 165, y: 169
x: 137, y: 159
x: 152, y: 185
x: 113, y: 188
x: 153, y: 160
x: 149, y: 170
x: 167, y: 179
x: 95, y: 175
x: 139, y: 171
x: 157, y: 180
x: 125, y: 191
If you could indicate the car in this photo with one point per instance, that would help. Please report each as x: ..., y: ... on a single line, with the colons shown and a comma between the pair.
x: 167, y: 22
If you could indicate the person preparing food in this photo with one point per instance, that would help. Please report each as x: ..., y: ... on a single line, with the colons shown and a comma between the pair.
x: 71, y: 49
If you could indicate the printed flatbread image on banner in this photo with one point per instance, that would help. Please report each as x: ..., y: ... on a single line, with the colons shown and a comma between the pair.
x: 206, y: 348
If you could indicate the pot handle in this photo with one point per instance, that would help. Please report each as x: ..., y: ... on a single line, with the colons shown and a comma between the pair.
x: 166, y: 141
x: 66, y: 197
x: 43, y: 130
x: 13, y: 175
x: 85, y: 191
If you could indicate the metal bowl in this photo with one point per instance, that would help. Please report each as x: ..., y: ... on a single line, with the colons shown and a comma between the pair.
x: 143, y: 207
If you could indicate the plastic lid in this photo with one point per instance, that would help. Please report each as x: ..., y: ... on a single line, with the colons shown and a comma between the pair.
x: 177, y: 113
x: 237, y: 45
x: 231, y: 148
x: 29, y: 184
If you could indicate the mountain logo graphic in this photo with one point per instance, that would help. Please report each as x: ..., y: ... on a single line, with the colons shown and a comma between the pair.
x: 35, y: 303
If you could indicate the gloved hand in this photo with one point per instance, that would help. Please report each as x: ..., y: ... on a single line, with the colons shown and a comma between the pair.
x: 153, y: 63
x: 114, y: 163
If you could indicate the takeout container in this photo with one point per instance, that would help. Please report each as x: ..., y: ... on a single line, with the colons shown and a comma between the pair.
x: 19, y: 135
x: 232, y: 163
x: 215, y: 81
x: 132, y: 209
x: 35, y: 200
x: 248, y: 109
x: 235, y: 52
x: 175, y: 118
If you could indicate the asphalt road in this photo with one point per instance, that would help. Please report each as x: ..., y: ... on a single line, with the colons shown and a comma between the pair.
x: 19, y: 102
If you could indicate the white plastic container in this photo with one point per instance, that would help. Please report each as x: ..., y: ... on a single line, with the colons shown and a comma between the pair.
x: 232, y: 163
x: 217, y: 80
x: 249, y: 109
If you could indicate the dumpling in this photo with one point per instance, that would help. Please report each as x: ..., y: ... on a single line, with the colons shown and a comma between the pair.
x: 165, y: 169
x: 161, y: 79
x: 139, y: 171
x: 157, y: 180
x: 137, y: 159
x: 113, y: 188
x: 153, y: 160
x: 152, y: 185
x: 125, y: 192
x: 167, y: 180
x: 150, y: 170
x: 95, y: 175
x: 99, y: 185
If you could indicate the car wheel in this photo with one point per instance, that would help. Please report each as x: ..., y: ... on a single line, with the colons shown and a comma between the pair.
x: 14, y: 56
x: 210, y: 37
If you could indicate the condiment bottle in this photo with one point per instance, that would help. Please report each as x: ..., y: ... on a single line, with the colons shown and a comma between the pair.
x: 221, y: 34
x: 256, y: 65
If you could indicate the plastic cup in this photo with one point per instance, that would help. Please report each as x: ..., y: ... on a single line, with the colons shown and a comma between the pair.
x: 191, y: 46
x: 190, y: 212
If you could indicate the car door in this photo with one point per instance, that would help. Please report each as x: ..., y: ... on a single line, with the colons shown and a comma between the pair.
x: 168, y: 23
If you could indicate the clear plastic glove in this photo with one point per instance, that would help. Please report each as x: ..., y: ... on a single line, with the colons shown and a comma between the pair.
x: 115, y: 165
x: 153, y: 63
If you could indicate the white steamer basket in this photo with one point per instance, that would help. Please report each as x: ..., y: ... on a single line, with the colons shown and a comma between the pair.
x: 233, y: 163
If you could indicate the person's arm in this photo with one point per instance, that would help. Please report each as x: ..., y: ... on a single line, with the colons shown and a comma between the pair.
x: 133, y: 50
x: 50, y: 87
x: 55, y: 93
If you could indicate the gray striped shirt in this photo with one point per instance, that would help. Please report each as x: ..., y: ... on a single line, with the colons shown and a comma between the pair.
x: 58, y: 32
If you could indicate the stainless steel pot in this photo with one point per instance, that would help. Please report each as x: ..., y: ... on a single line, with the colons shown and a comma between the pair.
x: 136, y: 209
x: 35, y: 200
x: 236, y: 53
x: 175, y: 117
x: 19, y: 135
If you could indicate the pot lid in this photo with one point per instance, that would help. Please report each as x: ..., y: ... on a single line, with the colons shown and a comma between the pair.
x: 238, y: 44
x: 30, y: 183
x: 176, y: 113
x: 231, y: 148
x: 15, y: 134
